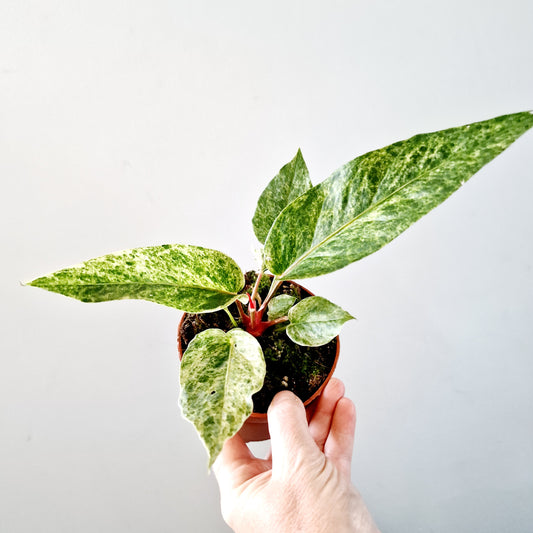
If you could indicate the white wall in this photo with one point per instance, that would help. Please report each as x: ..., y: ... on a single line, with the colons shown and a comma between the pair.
x: 132, y: 123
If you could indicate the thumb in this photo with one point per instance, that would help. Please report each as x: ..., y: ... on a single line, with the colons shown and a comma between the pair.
x: 289, y: 434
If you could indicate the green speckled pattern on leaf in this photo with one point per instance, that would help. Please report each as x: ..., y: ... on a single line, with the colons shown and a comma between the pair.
x: 189, y: 278
x: 291, y: 182
x: 279, y: 306
x: 315, y: 321
x: 369, y: 201
x: 219, y: 374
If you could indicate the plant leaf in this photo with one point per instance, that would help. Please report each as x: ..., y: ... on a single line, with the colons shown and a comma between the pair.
x: 291, y: 182
x: 369, y: 201
x: 243, y: 298
x: 315, y: 321
x: 189, y: 278
x: 219, y: 373
x: 279, y: 306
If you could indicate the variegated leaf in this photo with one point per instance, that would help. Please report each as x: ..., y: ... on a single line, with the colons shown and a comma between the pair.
x: 315, y: 321
x: 243, y: 298
x: 189, y: 278
x: 372, y: 199
x: 279, y: 306
x: 291, y: 182
x: 219, y: 373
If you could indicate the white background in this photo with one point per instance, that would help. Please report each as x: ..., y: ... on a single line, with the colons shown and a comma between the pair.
x: 126, y: 124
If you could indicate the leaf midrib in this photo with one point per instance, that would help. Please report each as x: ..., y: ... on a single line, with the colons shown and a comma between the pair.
x: 150, y: 283
x: 231, y: 352
x: 351, y: 221
x: 302, y: 323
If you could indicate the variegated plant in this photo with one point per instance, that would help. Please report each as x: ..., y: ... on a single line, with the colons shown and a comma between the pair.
x: 305, y: 231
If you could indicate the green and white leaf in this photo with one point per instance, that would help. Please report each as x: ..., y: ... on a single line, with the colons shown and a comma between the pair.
x: 189, y: 278
x: 291, y: 182
x: 371, y: 200
x: 243, y: 298
x: 219, y: 373
x: 315, y: 321
x: 279, y: 306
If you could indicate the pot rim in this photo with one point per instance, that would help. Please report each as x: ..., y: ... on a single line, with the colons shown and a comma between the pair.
x: 259, y: 417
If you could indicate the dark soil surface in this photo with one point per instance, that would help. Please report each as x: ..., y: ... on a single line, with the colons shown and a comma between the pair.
x: 300, y: 369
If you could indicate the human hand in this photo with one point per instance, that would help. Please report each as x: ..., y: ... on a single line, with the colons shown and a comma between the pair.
x: 304, y: 485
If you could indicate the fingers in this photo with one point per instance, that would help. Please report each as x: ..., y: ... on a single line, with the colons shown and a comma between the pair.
x: 339, y: 444
x: 320, y: 422
x: 289, y: 433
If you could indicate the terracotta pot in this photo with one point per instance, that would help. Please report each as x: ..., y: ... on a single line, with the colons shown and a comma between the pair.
x: 256, y: 426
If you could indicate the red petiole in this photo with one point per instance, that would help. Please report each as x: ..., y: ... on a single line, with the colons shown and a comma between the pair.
x: 253, y: 322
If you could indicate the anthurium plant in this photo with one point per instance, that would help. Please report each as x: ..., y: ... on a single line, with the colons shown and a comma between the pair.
x: 304, y: 231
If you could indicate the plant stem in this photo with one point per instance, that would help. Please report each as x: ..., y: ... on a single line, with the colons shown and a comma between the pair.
x: 255, y: 293
x: 242, y: 314
x: 231, y: 317
x: 273, y: 288
x: 258, y: 328
x: 251, y: 312
x: 277, y: 321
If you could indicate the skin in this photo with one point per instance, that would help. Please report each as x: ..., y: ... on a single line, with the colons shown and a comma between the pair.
x: 304, y: 484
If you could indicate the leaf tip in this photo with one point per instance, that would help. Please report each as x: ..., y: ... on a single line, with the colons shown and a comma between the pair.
x: 37, y: 282
x: 213, y: 456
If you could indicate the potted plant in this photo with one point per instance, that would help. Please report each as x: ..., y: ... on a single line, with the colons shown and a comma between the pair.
x: 252, y: 335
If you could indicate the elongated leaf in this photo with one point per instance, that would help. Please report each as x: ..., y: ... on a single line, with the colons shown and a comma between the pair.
x: 372, y: 199
x: 219, y: 373
x: 291, y: 182
x: 279, y: 306
x: 189, y: 278
x: 315, y: 321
